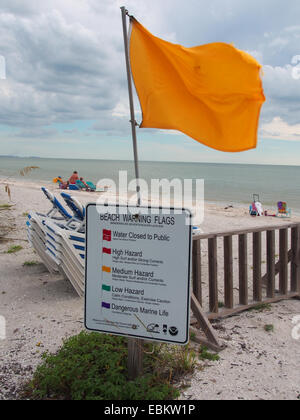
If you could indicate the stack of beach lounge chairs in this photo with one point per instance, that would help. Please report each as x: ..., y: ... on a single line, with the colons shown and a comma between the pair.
x: 59, y: 238
x: 67, y: 249
x: 37, y: 239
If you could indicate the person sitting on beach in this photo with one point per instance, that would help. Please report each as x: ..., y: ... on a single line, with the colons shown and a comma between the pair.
x: 85, y: 184
x: 73, y: 178
x: 58, y: 180
x: 64, y: 185
x: 88, y: 188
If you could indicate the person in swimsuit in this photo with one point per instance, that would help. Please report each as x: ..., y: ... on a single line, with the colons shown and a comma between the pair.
x: 73, y: 178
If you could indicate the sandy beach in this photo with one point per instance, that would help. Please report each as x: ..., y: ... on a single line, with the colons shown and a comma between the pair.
x: 42, y: 309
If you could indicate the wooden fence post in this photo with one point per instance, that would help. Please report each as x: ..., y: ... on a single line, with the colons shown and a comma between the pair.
x: 243, y: 269
x: 213, y: 275
x: 271, y: 263
x: 197, y: 286
x: 228, y: 272
x: 295, y: 266
x: 283, y: 256
x: 257, y: 278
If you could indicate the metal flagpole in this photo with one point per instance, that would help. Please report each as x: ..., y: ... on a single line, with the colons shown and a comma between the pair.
x: 135, y: 346
x: 131, y: 104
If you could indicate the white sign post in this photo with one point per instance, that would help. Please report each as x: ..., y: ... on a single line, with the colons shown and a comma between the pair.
x: 138, y: 273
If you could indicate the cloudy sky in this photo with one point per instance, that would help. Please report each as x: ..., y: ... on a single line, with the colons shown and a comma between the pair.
x: 65, y: 92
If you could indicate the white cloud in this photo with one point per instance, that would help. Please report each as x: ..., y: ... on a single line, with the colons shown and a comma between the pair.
x: 279, y: 42
x: 278, y: 129
x: 56, y: 71
x: 65, y: 60
x: 282, y: 92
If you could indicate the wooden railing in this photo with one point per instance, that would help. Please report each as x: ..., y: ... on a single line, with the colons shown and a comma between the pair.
x: 250, y: 273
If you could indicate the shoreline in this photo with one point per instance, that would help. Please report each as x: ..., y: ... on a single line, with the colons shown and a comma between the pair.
x: 224, y: 184
x: 210, y: 205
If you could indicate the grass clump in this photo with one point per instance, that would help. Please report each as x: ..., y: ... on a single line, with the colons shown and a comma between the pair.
x: 269, y: 328
x: 261, y: 307
x: 5, y: 206
x: 173, y: 361
x: 30, y: 263
x: 13, y: 249
x: 192, y: 335
x: 204, y: 354
x: 92, y: 366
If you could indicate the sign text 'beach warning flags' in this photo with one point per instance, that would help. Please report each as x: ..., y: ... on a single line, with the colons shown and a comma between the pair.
x: 213, y: 93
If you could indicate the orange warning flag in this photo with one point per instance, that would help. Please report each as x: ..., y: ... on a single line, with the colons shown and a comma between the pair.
x: 213, y: 93
x: 106, y: 269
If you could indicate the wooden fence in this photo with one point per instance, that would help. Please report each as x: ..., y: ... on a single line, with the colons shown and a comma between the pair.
x: 260, y: 265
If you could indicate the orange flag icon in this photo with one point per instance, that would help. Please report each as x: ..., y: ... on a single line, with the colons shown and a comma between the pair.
x: 213, y: 93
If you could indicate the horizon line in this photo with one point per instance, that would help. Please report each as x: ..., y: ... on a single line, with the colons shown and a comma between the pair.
x: 142, y: 160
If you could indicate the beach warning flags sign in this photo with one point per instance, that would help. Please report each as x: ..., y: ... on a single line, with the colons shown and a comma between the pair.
x: 213, y: 93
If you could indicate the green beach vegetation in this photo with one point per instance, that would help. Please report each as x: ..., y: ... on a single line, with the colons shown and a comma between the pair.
x: 30, y: 263
x: 14, y: 248
x: 92, y: 366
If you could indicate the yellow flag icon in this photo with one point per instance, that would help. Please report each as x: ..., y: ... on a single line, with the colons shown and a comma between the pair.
x: 213, y: 93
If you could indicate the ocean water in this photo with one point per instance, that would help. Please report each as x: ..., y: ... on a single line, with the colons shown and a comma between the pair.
x: 224, y: 183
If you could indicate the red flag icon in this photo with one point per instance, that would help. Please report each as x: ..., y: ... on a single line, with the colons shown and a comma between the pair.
x: 107, y: 251
x: 106, y: 235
